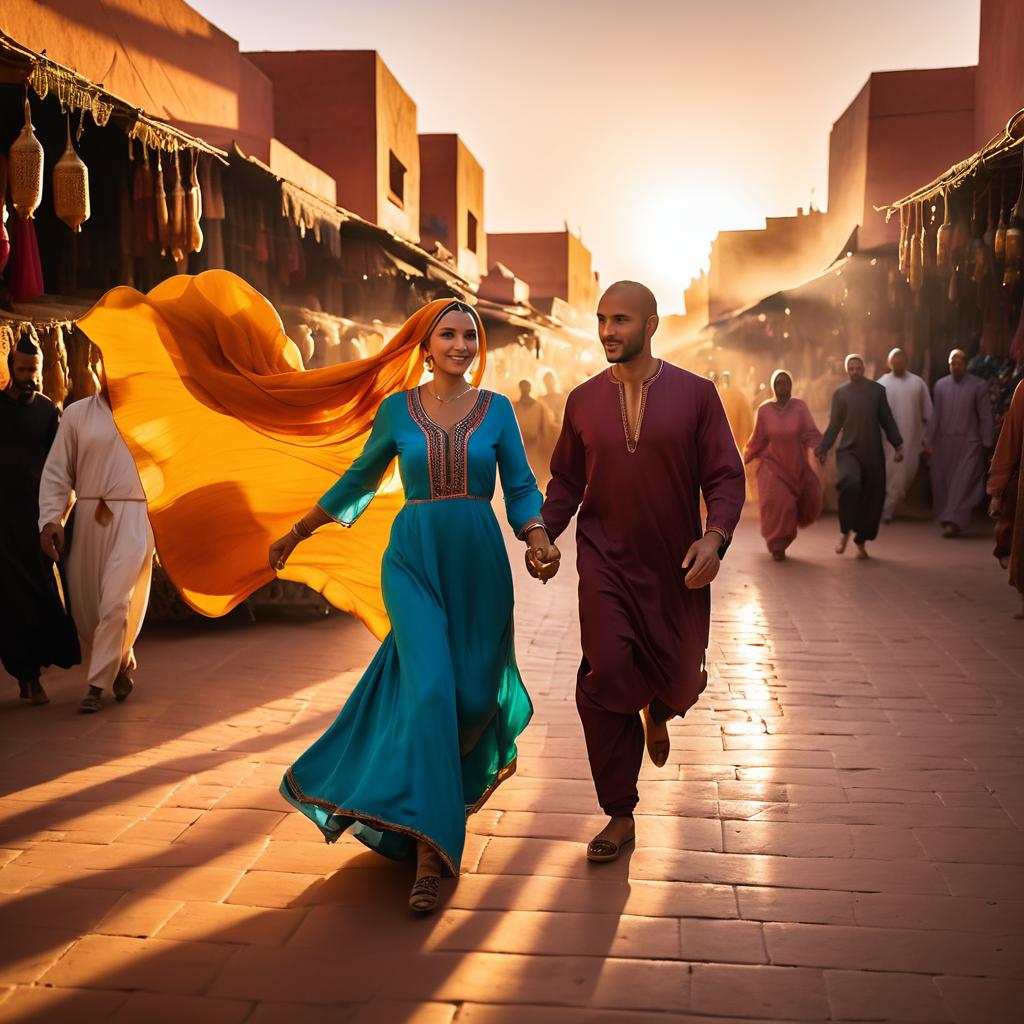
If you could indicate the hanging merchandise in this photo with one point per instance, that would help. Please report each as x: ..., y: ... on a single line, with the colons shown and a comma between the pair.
x: 5, y: 242
x: 179, y: 233
x: 944, y: 236
x: 904, y: 262
x: 916, y: 249
x: 194, y: 209
x: 989, y: 238
x: 26, y: 169
x: 999, y: 241
x: 71, y: 187
x: 1014, y: 245
x: 25, y: 276
x: 162, y: 216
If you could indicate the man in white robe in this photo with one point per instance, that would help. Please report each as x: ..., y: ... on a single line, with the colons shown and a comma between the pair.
x: 110, y: 563
x: 912, y: 408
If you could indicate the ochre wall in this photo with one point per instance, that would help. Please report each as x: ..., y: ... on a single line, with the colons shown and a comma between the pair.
x: 921, y: 122
x: 396, y: 131
x: 334, y: 128
x: 438, y: 209
x: 848, y: 162
x: 540, y: 258
x: 999, y: 88
x: 470, y: 199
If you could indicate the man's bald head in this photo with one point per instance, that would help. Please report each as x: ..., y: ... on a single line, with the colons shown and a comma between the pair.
x: 627, y: 317
x: 636, y: 291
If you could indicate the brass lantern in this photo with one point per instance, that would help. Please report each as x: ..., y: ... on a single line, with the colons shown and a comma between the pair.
x: 25, y: 169
x: 71, y: 188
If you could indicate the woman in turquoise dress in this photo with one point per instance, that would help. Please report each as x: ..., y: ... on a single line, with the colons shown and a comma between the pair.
x: 431, y: 728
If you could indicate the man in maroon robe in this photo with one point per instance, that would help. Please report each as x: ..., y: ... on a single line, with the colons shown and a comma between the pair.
x: 640, y: 443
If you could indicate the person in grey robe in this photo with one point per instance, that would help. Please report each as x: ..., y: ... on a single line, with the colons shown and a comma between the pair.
x: 861, y: 413
x: 960, y: 430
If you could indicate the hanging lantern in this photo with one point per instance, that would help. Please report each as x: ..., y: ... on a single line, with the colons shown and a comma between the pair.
x: 26, y: 169
x: 944, y: 236
x: 71, y: 187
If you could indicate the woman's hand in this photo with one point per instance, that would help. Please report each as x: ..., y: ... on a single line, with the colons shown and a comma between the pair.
x: 995, y: 507
x: 281, y: 549
x: 542, y: 557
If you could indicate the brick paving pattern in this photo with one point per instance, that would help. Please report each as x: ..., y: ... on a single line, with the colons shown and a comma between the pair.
x: 839, y: 833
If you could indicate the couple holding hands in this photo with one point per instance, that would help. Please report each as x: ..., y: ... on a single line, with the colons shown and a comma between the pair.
x: 430, y: 730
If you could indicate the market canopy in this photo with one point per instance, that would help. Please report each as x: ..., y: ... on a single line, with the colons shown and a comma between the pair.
x: 1001, y: 152
x: 76, y: 92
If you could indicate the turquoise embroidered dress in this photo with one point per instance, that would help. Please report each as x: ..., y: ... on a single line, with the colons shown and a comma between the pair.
x: 430, y: 730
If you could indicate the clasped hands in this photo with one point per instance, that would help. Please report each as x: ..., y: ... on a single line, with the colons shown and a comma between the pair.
x: 542, y: 557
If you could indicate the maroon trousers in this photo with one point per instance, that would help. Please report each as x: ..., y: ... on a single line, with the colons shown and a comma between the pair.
x: 613, y: 685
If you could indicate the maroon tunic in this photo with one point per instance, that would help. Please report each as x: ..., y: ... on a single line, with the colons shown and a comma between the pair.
x: 644, y: 633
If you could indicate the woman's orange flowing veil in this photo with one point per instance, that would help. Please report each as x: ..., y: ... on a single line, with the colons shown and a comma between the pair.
x: 234, y: 440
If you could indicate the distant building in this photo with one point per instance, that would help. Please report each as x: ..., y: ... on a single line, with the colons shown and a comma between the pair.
x: 555, y: 264
x: 361, y: 130
x: 452, y: 203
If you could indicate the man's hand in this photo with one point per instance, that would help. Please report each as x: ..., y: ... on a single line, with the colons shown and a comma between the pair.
x: 51, y: 539
x: 898, y: 456
x: 542, y: 561
x: 995, y: 508
x: 703, y: 561
x: 821, y: 455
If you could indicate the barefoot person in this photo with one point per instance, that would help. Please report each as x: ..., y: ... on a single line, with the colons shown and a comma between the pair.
x: 1006, y: 494
x: 430, y: 730
x: 639, y: 444
x: 860, y: 414
x: 788, y: 490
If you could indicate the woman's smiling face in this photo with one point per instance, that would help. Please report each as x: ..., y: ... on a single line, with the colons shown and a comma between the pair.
x: 454, y: 343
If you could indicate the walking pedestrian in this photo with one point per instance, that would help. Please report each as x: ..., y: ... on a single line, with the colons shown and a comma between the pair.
x: 1006, y: 494
x: 640, y: 443
x: 960, y: 431
x: 911, y: 407
x: 860, y: 414
x: 788, y: 489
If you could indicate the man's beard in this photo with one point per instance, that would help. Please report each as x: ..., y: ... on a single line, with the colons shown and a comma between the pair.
x: 25, y: 392
x: 627, y: 352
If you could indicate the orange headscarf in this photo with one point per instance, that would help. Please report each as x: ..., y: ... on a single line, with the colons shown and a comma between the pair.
x: 234, y: 440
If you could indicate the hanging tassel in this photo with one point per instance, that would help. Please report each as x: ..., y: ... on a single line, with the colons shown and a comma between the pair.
x: 26, y: 273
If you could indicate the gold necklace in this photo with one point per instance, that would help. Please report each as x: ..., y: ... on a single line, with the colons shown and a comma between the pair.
x: 447, y: 401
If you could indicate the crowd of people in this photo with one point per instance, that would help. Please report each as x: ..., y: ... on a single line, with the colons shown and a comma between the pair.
x: 881, y: 431
x: 430, y: 730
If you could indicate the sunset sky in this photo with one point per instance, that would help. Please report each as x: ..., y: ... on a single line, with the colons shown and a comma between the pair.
x: 647, y: 125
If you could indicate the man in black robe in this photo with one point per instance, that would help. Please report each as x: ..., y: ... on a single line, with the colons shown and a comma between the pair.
x: 35, y: 629
x: 860, y: 409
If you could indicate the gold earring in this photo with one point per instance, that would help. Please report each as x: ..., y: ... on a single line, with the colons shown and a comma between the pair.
x: 429, y: 360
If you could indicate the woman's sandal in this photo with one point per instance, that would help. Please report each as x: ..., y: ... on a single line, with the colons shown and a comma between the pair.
x: 604, y: 851
x: 91, y: 703
x: 423, y: 897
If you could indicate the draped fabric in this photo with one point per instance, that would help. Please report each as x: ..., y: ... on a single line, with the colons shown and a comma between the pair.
x: 234, y: 440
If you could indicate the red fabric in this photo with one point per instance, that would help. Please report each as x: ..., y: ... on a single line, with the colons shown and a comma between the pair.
x: 789, y: 491
x: 26, y: 276
x: 5, y: 246
x: 643, y: 632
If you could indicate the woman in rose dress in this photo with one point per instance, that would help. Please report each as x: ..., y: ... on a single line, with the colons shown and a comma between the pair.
x: 789, y: 491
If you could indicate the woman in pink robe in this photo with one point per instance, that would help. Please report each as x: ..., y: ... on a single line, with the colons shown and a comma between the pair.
x: 789, y: 491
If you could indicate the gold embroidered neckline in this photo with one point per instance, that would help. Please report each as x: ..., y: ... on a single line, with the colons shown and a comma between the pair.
x: 633, y: 441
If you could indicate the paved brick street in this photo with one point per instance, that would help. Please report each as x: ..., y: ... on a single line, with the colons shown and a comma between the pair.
x: 839, y: 834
